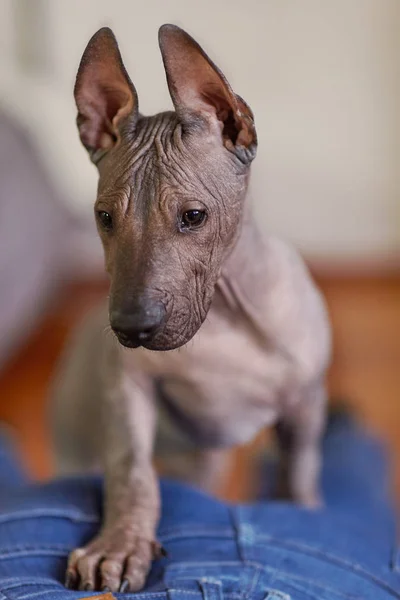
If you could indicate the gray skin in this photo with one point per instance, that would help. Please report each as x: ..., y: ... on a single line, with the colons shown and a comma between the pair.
x: 219, y: 331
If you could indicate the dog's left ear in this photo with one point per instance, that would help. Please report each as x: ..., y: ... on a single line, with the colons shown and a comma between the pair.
x: 105, y: 96
x: 199, y: 89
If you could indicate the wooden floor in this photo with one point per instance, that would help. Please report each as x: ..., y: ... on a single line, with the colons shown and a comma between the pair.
x: 365, y: 371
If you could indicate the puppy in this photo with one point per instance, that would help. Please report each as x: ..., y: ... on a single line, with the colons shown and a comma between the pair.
x: 219, y: 330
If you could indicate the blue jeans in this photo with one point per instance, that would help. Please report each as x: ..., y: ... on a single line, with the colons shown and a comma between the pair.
x: 216, y: 551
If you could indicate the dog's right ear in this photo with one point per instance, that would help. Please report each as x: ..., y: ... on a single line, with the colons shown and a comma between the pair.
x: 199, y: 89
x: 105, y: 96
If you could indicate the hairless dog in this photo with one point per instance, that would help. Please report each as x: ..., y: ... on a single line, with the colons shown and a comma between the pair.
x: 212, y: 331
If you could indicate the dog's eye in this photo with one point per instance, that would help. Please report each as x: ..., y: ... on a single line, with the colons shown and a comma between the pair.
x: 192, y: 219
x: 105, y: 220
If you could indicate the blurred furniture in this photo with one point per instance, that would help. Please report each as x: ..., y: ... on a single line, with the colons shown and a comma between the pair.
x: 33, y: 223
x: 37, y: 234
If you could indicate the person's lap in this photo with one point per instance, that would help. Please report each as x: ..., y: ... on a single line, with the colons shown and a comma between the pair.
x: 262, y: 551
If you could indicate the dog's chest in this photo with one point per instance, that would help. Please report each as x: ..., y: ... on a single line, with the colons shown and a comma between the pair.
x: 220, y: 388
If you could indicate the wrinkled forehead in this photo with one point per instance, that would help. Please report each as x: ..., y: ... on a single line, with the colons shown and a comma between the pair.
x: 159, y: 159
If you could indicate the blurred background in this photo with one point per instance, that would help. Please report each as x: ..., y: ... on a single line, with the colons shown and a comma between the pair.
x: 323, y: 79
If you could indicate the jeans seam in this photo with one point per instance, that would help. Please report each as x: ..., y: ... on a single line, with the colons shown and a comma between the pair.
x: 288, y: 576
x: 211, y: 588
x: 184, y: 566
x: 181, y: 575
x: 332, y: 559
x: 71, y: 515
x: 285, y: 574
x: 183, y: 591
x: 277, y: 595
x: 50, y: 546
x: 294, y: 585
x: 12, y: 582
x: 39, y: 552
x: 34, y: 594
x: 234, y: 514
x: 144, y: 595
x: 228, y: 596
x: 254, y: 581
x: 195, y: 532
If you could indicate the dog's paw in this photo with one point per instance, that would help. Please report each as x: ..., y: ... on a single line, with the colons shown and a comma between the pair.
x: 114, y: 561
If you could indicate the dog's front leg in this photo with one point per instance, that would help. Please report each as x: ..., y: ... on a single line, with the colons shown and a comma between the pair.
x: 119, y: 557
x: 300, y: 433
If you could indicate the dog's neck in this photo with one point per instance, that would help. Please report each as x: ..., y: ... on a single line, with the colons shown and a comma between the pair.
x: 241, y: 279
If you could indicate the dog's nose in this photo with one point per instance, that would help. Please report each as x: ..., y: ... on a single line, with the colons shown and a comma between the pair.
x: 137, y: 326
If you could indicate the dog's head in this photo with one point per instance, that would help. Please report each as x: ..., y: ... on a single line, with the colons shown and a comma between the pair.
x: 171, y: 188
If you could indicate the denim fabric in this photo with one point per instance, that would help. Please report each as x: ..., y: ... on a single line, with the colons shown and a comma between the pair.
x: 263, y: 551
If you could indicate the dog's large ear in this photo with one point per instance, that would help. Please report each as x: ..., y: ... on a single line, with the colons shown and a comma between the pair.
x: 198, y: 88
x: 105, y: 96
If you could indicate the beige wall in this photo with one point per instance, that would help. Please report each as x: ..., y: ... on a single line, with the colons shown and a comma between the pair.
x: 322, y: 76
